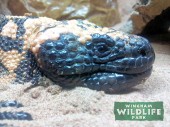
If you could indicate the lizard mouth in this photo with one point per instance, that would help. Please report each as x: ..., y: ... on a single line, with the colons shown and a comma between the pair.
x: 108, y: 81
x: 108, y: 78
x: 113, y: 82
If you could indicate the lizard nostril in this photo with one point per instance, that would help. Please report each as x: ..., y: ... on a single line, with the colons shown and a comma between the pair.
x: 142, y: 52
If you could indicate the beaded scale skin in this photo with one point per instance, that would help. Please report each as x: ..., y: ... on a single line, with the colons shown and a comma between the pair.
x: 71, y: 52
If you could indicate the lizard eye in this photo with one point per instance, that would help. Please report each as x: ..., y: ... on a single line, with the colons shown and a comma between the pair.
x: 102, y: 48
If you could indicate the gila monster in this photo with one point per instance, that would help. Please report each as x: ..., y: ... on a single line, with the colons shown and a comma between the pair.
x: 71, y: 52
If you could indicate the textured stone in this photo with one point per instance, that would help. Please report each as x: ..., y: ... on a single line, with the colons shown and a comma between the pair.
x: 101, y: 12
x: 3, y: 7
x: 128, y: 16
x: 144, y: 11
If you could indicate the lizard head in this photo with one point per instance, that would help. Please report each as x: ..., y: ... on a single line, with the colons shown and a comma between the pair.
x: 107, y: 61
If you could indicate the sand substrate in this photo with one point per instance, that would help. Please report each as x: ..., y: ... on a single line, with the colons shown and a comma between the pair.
x: 52, y: 106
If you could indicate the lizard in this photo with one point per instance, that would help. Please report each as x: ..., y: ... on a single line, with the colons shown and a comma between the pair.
x: 72, y: 52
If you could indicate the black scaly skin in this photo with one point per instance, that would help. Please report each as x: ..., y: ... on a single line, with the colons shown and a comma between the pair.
x: 10, y: 104
x: 28, y: 65
x: 103, y: 64
x: 30, y: 68
x: 13, y: 115
x: 7, y: 44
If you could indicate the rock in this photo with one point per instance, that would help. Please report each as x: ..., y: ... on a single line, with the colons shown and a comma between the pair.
x: 158, y: 28
x: 144, y: 12
x: 126, y: 7
x: 3, y: 7
x: 101, y: 12
x: 128, y: 16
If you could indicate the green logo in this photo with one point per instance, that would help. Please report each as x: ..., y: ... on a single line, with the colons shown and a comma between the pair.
x: 139, y: 111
